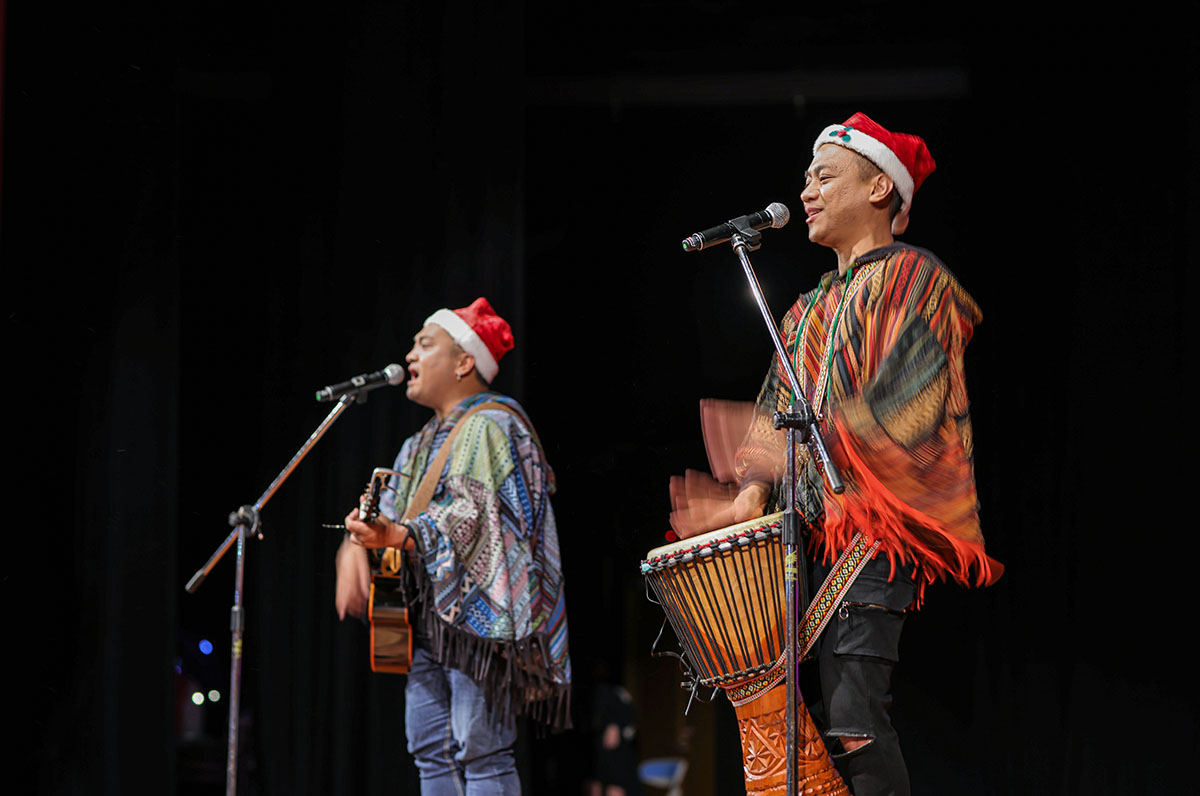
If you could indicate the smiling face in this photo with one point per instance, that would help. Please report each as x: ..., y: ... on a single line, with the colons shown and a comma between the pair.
x: 433, y: 365
x: 837, y: 198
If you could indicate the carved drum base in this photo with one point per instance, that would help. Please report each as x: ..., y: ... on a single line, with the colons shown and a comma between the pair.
x: 763, y: 728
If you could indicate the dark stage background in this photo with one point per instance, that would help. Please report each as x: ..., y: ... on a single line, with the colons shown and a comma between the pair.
x: 211, y: 209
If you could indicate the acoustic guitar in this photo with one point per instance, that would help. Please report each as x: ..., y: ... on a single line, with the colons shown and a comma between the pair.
x: 391, y: 633
x: 387, y: 609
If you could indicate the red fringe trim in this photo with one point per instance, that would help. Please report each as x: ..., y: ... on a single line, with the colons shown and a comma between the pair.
x: 907, y: 534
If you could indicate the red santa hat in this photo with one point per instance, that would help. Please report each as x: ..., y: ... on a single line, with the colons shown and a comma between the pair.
x: 901, y: 156
x: 480, y: 331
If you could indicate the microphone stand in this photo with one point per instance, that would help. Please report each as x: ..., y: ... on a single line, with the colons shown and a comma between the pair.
x: 802, y: 427
x: 246, y: 521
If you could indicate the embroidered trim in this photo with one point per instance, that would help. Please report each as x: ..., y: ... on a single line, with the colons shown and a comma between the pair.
x: 822, y: 608
x: 818, y: 400
x: 753, y: 689
x: 819, y: 612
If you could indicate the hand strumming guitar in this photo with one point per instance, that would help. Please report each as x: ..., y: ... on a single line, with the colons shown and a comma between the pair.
x: 353, y: 580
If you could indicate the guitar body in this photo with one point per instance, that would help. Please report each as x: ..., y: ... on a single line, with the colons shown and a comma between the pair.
x: 387, y: 610
x: 391, y: 634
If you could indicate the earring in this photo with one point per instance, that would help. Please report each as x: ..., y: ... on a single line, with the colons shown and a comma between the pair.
x: 458, y: 377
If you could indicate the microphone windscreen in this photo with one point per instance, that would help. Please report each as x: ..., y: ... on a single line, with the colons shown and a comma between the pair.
x: 779, y: 213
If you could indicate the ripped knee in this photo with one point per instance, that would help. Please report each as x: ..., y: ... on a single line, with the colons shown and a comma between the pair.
x: 850, y: 744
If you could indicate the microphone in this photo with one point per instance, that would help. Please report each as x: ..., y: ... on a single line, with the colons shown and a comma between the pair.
x: 775, y: 216
x: 393, y: 374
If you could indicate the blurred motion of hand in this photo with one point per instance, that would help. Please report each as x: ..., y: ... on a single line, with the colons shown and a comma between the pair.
x: 724, y: 425
x: 353, y: 580
x: 699, y: 503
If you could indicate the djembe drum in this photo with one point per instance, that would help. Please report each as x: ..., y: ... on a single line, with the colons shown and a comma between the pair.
x: 723, y: 595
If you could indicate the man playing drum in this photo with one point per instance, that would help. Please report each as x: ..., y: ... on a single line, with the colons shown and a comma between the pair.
x: 878, y: 349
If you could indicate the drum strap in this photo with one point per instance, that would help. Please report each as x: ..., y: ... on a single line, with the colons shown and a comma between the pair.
x: 820, y: 611
x: 832, y: 591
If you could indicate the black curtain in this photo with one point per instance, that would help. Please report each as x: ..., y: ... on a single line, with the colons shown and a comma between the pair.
x: 212, y: 209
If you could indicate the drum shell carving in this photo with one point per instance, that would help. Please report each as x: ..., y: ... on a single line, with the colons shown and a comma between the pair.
x: 723, y: 595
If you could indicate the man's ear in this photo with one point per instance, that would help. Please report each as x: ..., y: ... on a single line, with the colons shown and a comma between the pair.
x: 882, y: 187
x: 466, y: 363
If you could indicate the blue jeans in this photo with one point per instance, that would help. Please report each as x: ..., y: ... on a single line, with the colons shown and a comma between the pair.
x: 461, y: 748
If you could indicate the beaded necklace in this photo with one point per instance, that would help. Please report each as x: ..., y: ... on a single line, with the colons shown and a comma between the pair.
x: 854, y: 279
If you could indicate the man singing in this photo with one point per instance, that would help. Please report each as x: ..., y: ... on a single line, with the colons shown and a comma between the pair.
x: 877, y: 347
x: 490, y: 622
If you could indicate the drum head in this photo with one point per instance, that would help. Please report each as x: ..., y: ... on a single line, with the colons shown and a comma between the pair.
x: 716, y: 536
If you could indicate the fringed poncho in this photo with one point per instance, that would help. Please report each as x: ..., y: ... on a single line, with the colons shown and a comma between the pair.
x: 489, y: 588
x: 879, y: 354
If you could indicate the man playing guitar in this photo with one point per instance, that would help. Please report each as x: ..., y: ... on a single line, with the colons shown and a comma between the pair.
x: 471, y: 502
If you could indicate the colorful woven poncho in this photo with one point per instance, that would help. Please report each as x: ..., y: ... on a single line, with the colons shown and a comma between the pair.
x: 488, y: 572
x: 879, y: 354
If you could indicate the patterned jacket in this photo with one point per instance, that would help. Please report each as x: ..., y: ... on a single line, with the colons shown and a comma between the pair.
x: 879, y: 354
x: 488, y: 572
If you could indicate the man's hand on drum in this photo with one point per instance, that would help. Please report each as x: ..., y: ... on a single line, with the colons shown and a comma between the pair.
x: 751, y: 501
x: 699, y: 503
x: 379, y: 532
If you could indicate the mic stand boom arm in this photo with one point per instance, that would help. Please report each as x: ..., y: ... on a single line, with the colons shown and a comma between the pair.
x: 748, y: 240
x: 802, y: 423
x: 246, y: 521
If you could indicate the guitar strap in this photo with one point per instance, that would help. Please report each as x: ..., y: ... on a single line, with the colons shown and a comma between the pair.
x: 392, y: 560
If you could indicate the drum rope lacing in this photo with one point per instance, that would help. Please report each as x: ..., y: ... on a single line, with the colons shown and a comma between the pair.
x: 749, y: 655
x: 723, y: 651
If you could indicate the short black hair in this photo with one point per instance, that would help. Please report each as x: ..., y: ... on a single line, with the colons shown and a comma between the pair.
x: 867, y: 170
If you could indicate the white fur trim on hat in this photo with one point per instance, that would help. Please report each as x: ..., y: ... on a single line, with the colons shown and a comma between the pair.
x: 461, y: 332
x: 873, y: 150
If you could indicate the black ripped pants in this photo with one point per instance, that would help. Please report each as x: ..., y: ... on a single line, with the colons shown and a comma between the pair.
x: 856, y: 655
